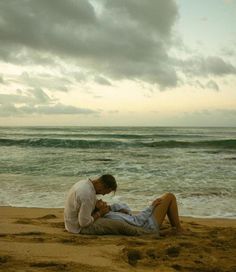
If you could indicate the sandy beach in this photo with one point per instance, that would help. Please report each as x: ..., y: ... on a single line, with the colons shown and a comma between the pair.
x: 34, y: 239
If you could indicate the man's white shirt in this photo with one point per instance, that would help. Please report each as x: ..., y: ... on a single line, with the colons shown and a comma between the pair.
x: 79, y: 205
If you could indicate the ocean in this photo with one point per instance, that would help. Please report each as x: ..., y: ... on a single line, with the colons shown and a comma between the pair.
x: 38, y: 165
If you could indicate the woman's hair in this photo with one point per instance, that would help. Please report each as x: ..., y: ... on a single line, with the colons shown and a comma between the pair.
x: 109, y: 182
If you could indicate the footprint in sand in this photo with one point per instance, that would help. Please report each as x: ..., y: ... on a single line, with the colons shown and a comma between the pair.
x: 133, y: 256
x: 152, y: 253
x: 173, y: 251
x: 4, y: 259
x: 48, y: 216
x: 29, y: 233
x: 58, y: 266
x: 23, y: 221
x: 59, y: 225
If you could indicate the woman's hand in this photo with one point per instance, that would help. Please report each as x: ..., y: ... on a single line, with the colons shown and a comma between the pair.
x: 124, y: 211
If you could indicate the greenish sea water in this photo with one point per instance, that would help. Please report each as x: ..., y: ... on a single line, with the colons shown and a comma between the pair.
x: 39, y: 164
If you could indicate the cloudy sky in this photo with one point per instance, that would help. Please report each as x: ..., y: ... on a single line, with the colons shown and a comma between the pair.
x: 118, y: 62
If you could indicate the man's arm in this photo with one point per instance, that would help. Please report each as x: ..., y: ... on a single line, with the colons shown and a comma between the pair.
x: 84, y: 216
x: 100, y: 212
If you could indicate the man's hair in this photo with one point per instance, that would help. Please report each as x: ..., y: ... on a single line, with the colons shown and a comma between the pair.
x: 109, y: 182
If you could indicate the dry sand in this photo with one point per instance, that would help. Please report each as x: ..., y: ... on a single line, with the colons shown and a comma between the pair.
x: 34, y: 239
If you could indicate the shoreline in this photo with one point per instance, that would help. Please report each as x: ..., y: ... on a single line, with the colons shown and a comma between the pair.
x: 33, y: 239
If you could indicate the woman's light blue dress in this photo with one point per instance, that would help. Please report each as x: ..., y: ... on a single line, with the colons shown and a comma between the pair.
x: 143, y: 219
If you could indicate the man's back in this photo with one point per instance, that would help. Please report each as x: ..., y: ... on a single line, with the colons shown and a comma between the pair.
x: 80, y: 203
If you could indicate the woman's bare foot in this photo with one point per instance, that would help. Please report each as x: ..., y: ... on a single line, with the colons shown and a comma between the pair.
x: 179, y: 230
x: 174, y: 231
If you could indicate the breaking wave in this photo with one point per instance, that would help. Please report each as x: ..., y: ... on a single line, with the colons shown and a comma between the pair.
x: 79, y: 143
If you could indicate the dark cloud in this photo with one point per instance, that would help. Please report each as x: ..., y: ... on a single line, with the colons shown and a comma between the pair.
x: 208, y: 66
x: 157, y: 16
x: 116, y: 39
x: 217, y: 66
x: 122, y: 39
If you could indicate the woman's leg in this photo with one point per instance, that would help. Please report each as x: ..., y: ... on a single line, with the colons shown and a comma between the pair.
x: 168, y: 206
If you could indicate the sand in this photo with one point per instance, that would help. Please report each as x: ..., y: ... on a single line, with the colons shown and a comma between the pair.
x: 33, y: 239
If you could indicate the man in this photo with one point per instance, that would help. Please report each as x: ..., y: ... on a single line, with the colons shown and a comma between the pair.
x: 81, y: 201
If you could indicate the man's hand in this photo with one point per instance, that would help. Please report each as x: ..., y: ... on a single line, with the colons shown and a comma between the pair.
x: 103, y: 210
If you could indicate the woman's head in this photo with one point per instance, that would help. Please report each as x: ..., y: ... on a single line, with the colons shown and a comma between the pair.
x: 100, y: 204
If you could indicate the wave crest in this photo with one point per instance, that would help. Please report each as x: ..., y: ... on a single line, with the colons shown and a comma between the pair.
x: 78, y: 143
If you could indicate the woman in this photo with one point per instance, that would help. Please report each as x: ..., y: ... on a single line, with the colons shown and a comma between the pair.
x: 151, y: 218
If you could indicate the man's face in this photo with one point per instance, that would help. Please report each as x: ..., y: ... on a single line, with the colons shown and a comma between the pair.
x: 102, y: 190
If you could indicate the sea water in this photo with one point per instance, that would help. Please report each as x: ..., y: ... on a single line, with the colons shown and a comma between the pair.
x: 38, y: 165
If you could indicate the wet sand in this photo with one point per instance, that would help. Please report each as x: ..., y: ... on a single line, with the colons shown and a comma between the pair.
x: 33, y: 239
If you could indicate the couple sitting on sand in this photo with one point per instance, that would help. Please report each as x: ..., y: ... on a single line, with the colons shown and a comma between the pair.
x: 86, y: 215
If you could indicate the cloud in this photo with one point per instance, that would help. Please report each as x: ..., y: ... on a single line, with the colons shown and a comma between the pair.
x: 40, y: 95
x: 101, y: 80
x: 209, y: 117
x: 213, y: 112
x: 100, y: 40
x: 36, y: 101
x: 46, y: 80
x: 228, y: 1
x: 14, y: 98
x: 57, y: 109
x: 157, y: 16
x: 217, y: 66
x: 198, y: 83
x: 1, y: 79
x: 204, y: 19
x: 32, y: 96
x: 229, y: 52
x: 211, y: 84
x: 120, y: 39
x: 205, y: 66
x: 227, y: 111
x: 113, y: 112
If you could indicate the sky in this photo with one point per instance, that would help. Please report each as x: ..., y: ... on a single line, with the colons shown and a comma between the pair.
x: 118, y: 63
